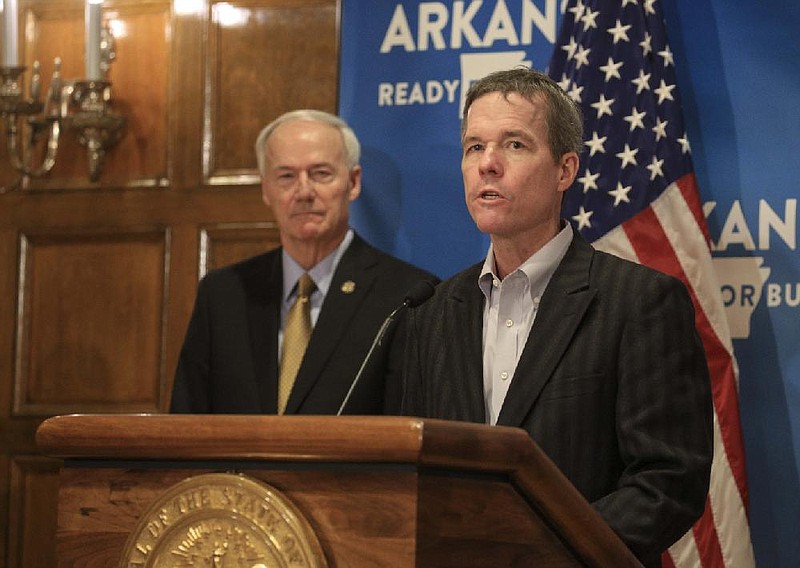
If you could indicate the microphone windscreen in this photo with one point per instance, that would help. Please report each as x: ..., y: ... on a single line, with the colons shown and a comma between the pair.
x: 418, y: 293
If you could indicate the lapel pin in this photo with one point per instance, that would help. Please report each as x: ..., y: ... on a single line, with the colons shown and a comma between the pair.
x: 348, y: 287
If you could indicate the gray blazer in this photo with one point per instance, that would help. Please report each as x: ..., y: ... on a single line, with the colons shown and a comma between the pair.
x: 229, y: 360
x: 612, y: 384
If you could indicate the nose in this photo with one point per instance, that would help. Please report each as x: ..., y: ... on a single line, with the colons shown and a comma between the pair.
x: 305, y: 187
x: 491, y: 163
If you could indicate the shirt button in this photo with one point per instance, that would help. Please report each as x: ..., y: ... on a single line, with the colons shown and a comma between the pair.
x: 504, y: 375
x: 509, y: 323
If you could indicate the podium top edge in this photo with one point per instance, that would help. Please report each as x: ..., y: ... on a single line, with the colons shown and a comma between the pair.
x: 378, y: 439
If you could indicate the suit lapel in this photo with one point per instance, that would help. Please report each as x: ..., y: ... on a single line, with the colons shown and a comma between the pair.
x: 265, y: 293
x: 349, y: 287
x: 562, y: 308
x: 466, y: 305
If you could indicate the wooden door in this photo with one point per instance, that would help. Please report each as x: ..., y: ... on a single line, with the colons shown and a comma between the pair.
x: 97, y: 279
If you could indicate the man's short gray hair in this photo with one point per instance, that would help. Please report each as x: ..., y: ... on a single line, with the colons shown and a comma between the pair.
x: 352, y: 148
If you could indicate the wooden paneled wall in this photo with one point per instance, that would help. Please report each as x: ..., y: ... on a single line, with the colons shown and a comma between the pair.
x: 97, y: 279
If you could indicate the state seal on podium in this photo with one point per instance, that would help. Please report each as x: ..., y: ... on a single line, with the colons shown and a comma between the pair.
x: 222, y: 520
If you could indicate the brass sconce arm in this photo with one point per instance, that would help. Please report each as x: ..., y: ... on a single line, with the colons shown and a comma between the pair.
x: 83, y: 106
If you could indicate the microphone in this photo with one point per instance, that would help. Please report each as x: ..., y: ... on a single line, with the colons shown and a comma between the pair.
x: 418, y: 294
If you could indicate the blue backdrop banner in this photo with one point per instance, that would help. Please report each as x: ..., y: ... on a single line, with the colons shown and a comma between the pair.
x: 405, y: 67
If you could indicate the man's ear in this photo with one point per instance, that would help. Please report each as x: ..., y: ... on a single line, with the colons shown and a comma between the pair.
x: 355, y: 182
x: 569, y: 170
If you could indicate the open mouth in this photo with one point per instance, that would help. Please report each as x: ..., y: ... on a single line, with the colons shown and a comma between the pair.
x: 489, y: 195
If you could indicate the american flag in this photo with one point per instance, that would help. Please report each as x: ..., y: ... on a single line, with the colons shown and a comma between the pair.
x: 636, y: 196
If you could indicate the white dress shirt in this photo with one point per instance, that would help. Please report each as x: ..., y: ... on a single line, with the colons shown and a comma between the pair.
x: 509, y: 311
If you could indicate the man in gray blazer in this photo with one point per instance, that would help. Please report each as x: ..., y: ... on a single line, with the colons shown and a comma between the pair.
x: 596, y: 357
x: 309, y: 164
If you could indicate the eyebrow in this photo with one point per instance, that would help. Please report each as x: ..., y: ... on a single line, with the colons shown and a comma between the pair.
x: 505, y: 135
x: 516, y: 134
x: 311, y: 167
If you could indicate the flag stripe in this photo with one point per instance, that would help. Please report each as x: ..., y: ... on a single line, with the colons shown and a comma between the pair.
x: 694, y: 253
x: 691, y: 194
x: 729, y: 509
x: 617, y: 242
x: 682, y: 553
x: 707, y: 538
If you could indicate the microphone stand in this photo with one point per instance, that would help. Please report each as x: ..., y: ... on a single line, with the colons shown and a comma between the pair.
x: 417, y: 295
x: 375, y: 343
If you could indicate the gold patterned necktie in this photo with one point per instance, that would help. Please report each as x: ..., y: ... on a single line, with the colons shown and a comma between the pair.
x: 295, y: 339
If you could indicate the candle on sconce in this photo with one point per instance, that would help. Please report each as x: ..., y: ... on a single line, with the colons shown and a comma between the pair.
x: 10, y: 33
x: 94, y: 27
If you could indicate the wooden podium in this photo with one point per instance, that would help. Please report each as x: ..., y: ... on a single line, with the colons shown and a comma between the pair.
x: 374, y: 491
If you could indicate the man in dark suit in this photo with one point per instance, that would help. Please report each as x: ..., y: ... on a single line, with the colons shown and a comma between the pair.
x: 596, y: 357
x: 231, y: 358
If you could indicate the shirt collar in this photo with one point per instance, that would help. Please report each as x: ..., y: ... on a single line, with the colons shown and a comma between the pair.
x: 538, y: 268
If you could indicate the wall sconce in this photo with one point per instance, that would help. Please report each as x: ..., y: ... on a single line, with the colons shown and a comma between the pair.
x: 83, y: 105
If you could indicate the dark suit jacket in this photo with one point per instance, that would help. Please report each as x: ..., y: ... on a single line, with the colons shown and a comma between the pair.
x: 229, y: 361
x: 612, y: 384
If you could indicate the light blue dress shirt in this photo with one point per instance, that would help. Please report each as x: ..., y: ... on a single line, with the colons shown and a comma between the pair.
x: 321, y: 274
